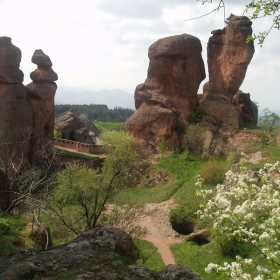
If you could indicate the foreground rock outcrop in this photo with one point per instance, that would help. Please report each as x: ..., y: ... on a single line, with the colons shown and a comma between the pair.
x: 76, y: 126
x: 228, y: 58
x: 16, y: 118
x: 169, y: 93
x: 96, y: 254
x: 40, y: 94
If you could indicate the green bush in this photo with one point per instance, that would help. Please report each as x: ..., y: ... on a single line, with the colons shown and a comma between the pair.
x: 57, y: 133
x: 196, y: 115
x: 232, y: 247
x: 213, y: 172
x: 194, y: 139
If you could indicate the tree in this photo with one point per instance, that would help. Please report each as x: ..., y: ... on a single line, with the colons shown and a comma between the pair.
x: 22, y: 184
x: 270, y: 121
x: 81, y: 194
x: 261, y: 9
x: 247, y: 209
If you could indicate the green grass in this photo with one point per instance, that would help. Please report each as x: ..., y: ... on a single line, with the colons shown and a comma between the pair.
x: 139, y: 195
x: 76, y: 155
x: 106, y: 126
x: 198, y: 257
x: 10, y: 237
x: 148, y: 250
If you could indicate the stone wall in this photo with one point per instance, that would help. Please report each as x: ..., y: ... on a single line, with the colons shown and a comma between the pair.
x: 78, y: 146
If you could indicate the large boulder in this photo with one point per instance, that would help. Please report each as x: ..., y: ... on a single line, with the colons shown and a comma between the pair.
x: 169, y: 93
x: 76, y: 126
x: 16, y: 117
x: 99, y: 254
x: 40, y: 94
x: 228, y: 58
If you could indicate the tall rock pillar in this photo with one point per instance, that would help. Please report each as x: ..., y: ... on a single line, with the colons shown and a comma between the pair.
x: 15, y: 111
x: 228, y: 58
x: 169, y: 93
x: 41, y: 94
x: 16, y: 120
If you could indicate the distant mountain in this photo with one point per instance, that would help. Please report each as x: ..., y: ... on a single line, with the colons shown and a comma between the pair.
x: 111, y: 97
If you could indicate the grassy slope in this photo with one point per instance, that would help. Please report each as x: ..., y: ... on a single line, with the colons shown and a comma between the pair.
x: 182, y: 188
x: 105, y: 126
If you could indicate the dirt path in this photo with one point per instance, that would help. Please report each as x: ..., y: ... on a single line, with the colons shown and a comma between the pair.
x: 160, y: 231
x: 163, y: 248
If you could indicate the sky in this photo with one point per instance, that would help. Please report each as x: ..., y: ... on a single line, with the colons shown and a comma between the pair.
x: 103, y: 44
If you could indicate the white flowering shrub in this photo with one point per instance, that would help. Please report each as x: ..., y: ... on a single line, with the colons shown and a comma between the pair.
x: 247, y: 209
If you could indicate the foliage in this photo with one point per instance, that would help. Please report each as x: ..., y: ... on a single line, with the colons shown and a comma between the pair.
x: 162, y: 145
x: 9, y: 233
x: 57, y: 133
x: 96, y: 112
x: 213, y: 171
x: 260, y: 8
x: 81, y: 194
x: 124, y: 217
x: 269, y: 122
x: 265, y: 8
x: 232, y: 246
x: 194, y: 139
x: 197, y: 257
x: 196, y: 115
x: 23, y: 185
x: 248, y: 210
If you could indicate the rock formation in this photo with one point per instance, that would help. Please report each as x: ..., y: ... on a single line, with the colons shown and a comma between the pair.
x: 249, y: 110
x: 228, y: 58
x: 93, y: 255
x: 169, y: 93
x: 16, y: 118
x: 16, y: 114
x: 76, y: 126
x: 40, y: 94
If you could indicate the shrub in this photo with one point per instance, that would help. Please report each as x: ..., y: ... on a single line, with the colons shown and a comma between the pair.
x: 270, y: 121
x: 213, y: 172
x: 162, y: 145
x: 194, y: 139
x: 231, y: 246
x: 196, y: 115
x: 57, y: 133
